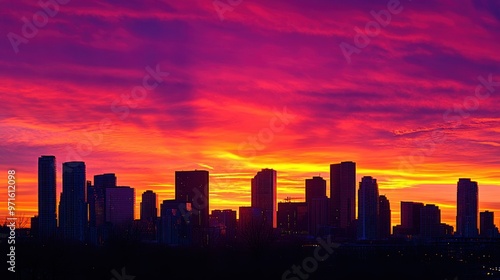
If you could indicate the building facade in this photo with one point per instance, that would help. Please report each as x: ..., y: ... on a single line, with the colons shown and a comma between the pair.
x: 73, y: 204
x: 343, y: 194
x: 47, y: 217
x: 149, y: 208
x: 384, y: 218
x: 368, y: 209
x: 264, y: 195
x: 193, y: 187
x: 467, y: 208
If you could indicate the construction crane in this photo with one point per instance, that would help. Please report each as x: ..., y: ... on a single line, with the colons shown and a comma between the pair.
x: 289, y: 199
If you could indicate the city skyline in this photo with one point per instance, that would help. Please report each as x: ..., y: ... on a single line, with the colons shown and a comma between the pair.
x: 243, y: 134
x: 442, y: 193
x: 195, y: 182
x: 267, y: 86
x: 185, y: 222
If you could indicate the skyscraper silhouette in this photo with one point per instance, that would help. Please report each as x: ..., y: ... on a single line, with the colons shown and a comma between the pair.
x: 193, y: 187
x: 106, y: 180
x: 264, y: 195
x: 226, y: 219
x: 120, y: 203
x: 253, y: 226
x: 384, y: 218
x: 47, y: 222
x: 430, y: 221
x: 73, y: 204
x: 149, y: 208
x: 292, y: 217
x: 317, y: 205
x: 467, y: 208
x: 175, y: 224
x: 343, y: 193
x: 487, y: 225
x: 99, y: 230
x: 315, y: 188
x: 410, y: 217
x: 368, y: 209
x: 96, y: 198
x: 318, y: 216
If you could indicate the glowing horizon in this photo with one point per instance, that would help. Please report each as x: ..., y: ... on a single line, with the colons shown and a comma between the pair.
x: 296, y: 189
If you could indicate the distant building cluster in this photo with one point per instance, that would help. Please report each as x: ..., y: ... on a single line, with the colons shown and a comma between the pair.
x: 99, y: 211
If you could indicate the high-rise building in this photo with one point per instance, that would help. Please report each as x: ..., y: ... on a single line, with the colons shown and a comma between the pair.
x: 384, y: 218
x: 148, y: 224
x: 368, y: 209
x: 107, y: 180
x: 73, y: 204
x: 250, y: 219
x: 318, y: 211
x: 47, y: 221
x: 193, y: 187
x: 445, y: 230
x: 318, y: 216
x: 253, y: 226
x: 149, y: 210
x: 410, y: 217
x: 315, y: 188
x: 175, y: 225
x: 343, y: 194
x: 34, y: 226
x: 96, y: 197
x: 99, y: 230
x: 430, y: 221
x: 292, y: 217
x: 487, y: 225
x: 226, y: 220
x: 467, y: 208
x: 120, y: 203
x: 264, y: 195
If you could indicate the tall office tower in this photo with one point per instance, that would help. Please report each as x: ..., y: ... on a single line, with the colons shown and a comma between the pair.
x: 193, y: 187
x: 264, y: 195
x: 318, y: 216
x: 149, y: 210
x: 487, y: 225
x: 226, y: 220
x: 343, y: 194
x: 410, y: 217
x: 368, y: 209
x: 91, y: 201
x: 175, y: 226
x: 253, y: 227
x: 120, y: 203
x: 149, y: 216
x: 73, y: 204
x: 250, y: 220
x: 430, y: 221
x: 47, y: 222
x: 315, y: 188
x: 34, y: 226
x: 96, y: 197
x: 292, y: 217
x: 317, y: 206
x: 107, y: 180
x: 467, y: 200
x: 384, y: 217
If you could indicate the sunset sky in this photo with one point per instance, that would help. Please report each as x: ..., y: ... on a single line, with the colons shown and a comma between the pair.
x: 238, y: 86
